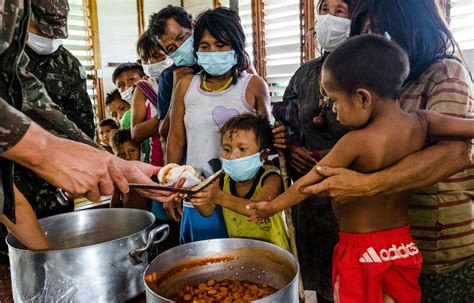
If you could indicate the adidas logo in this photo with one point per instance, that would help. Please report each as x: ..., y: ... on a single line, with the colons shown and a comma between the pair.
x: 393, y: 253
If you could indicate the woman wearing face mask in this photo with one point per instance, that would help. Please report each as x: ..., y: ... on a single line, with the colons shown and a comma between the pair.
x: 203, y: 102
x: 314, y: 131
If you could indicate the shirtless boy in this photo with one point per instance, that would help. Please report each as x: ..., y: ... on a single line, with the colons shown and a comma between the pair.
x: 376, y: 259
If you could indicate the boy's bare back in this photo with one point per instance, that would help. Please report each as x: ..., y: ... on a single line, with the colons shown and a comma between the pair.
x: 391, y: 136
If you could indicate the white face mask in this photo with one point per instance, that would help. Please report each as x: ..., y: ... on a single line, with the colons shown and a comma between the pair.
x: 331, y: 31
x: 127, y: 94
x: 154, y: 70
x: 43, y: 45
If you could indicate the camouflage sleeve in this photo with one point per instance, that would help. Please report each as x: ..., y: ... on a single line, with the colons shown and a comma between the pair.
x: 13, y: 126
x: 84, y: 105
x: 10, y: 12
x: 40, y: 108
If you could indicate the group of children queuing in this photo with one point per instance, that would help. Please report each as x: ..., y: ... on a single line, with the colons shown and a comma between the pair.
x: 219, y: 110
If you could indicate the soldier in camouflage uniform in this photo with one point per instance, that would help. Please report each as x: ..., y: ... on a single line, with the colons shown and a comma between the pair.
x: 60, y: 72
x: 64, y: 80
x: 88, y: 172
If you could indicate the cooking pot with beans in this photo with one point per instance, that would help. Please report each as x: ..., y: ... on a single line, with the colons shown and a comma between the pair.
x: 223, y: 270
x: 99, y: 256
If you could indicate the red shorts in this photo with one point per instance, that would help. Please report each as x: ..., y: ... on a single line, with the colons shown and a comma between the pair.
x: 367, y: 265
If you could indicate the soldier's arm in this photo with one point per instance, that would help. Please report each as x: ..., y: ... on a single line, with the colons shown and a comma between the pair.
x: 38, y: 107
x: 13, y: 126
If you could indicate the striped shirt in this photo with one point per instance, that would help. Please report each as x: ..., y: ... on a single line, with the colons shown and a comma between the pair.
x: 441, y: 215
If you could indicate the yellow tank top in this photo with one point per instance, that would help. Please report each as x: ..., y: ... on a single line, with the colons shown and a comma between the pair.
x: 238, y: 226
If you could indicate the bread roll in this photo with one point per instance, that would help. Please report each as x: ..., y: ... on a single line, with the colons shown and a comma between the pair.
x: 172, y: 172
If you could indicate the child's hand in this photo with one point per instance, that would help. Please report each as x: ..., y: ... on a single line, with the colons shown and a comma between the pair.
x: 210, y: 195
x: 260, y: 210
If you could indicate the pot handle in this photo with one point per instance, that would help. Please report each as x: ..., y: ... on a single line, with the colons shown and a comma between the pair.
x: 151, y: 242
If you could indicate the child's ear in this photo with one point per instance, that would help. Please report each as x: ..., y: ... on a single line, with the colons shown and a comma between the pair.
x: 364, y: 97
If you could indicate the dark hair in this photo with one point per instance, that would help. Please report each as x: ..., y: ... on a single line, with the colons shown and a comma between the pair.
x: 416, y: 25
x: 258, y: 124
x: 121, y: 136
x: 148, y: 45
x: 224, y: 25
x: 108, y: 122
x: 321, y: 3
x: 368, y: 61
x: 125, y: 67
x: 112, y: 96
x: 157, y: 21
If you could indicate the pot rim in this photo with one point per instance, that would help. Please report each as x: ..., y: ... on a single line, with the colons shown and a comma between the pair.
x: 294, y: 260
x: 10, y: 236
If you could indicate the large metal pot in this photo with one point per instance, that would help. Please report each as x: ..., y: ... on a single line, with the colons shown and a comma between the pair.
x: 219, y: 259
x: 100, y: 256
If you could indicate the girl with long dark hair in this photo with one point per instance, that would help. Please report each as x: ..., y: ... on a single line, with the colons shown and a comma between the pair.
x: 204, y: 101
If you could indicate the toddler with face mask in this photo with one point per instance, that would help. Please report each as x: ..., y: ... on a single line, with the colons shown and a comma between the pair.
x: 202, y: 103
x: 245, y: 140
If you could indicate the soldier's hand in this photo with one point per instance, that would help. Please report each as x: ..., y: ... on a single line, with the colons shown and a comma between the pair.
x: 78, y: 168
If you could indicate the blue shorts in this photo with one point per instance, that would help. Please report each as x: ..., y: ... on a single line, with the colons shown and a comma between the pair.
x: 195, y: 227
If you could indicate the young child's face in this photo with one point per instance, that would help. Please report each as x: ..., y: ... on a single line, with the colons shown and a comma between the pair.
x: 128, y: 151
x: 348, y: 110
x: 104, y: 134
x: 238, y: 144
x: 210, y: 44
x: 127, y: 79
x: 117, y: 108
x: 157, y: 56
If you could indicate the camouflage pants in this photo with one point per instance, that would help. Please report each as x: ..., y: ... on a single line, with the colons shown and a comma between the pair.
x: 454, y: 287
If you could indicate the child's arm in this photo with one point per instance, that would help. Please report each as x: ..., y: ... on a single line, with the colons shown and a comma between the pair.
x: 141, y: 127
x: 177, y: 132
x: 206, y: 201
x: 441, y: 125
x: 346, y: 151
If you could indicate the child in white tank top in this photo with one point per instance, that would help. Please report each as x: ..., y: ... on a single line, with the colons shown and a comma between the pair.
x: 203, y: 102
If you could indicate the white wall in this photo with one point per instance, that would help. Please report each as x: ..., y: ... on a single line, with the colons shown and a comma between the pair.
x: 118, y: 29
x: 118, y: 32
x: 154, y: 6
x: 195, y: 7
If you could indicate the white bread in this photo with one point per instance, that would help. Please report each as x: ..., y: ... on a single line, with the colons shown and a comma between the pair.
x: 172, y: 172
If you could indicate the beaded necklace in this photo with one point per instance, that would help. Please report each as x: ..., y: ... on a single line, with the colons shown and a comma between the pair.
x: 226, y: 85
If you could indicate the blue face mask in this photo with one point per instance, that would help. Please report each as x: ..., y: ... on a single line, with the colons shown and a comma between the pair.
x: 242, y: 169
x: 184, y: 55
x: 216, y: 63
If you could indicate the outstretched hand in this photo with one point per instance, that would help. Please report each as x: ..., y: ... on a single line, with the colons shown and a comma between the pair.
x: 174, y: 205
x: 341, y: 185
x: 260, y: 210
x: 210, y: 195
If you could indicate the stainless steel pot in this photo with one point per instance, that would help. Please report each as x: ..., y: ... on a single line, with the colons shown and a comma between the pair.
x: 243, y: 259
x: 100, y: 256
